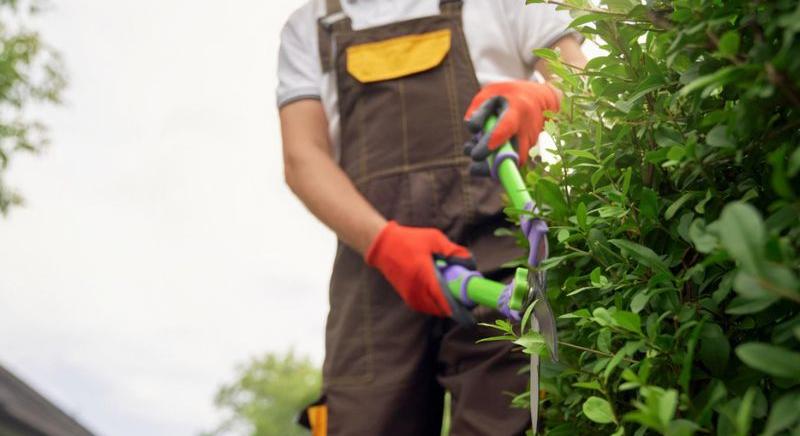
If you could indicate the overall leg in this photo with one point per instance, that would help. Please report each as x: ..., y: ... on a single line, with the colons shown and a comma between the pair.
x: 482, y: 379
x: 380, y: 365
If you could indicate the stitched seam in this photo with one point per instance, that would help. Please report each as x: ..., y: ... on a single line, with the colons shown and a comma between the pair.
x: 403, y: 120
x: 435, y: 197
x: 447, y: 162
x: 362, y: 146
x: 368, y: 330
x: 456, y: 131
x: 471, y: 212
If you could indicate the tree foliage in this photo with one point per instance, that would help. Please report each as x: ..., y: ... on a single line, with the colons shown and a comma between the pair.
x: 674, y: 217
x: 267, y: 396
x: 30, y: 74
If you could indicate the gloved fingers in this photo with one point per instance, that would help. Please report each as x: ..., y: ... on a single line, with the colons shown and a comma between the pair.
x: 441, y: 247
x: 524, y: 147
x: 480, y: 169
x: 466, y: 262
x: 480, y: 109
x: 535, y: 127
x: 551, y: 101
x: 454, y: 251
x: 433, y: 301
x: 470, y: 143
x: 508, y: 125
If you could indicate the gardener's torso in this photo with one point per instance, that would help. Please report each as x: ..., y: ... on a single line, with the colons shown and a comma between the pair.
x: 499, y: 36
x: 402, y: 91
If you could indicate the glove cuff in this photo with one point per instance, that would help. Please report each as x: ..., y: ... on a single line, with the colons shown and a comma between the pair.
x: 374, y: 252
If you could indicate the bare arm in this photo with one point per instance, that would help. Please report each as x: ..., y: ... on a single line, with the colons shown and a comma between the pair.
x: 319, y: 182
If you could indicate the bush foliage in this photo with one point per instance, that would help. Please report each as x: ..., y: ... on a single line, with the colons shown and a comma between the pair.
x: 674, y: 222
x: 30, y: 74
x: 268, y: 394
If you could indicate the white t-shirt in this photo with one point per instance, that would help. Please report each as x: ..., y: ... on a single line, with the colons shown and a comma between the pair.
x: 501, y: 36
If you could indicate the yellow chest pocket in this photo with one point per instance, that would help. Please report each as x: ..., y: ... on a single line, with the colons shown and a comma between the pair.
x: 397, y: 57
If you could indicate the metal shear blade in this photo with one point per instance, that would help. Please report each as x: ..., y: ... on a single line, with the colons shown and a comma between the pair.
x: 537, y: 294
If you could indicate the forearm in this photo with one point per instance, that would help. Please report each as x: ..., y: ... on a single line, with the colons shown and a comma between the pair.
x: 320, y: 183
x: 330, y: 195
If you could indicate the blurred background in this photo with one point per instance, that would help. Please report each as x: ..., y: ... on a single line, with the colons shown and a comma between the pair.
x: 158, y: 250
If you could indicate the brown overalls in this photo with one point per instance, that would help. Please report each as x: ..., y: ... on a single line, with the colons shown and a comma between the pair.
x: 403, y: 89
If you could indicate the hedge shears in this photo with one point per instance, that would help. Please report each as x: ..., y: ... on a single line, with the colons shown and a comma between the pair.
x: 464, y: 288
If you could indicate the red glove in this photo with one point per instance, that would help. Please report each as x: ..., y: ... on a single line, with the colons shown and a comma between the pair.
x: 520, y: 108
x: 405, y: 256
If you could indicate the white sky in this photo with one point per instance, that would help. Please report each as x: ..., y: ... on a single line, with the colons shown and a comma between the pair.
x: 159, y: 246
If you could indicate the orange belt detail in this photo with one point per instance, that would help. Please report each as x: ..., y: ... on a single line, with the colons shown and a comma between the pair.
x: 318, y: 418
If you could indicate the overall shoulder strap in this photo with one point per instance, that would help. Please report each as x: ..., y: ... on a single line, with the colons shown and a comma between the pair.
x: 334, y: 21
x: 451, y: 7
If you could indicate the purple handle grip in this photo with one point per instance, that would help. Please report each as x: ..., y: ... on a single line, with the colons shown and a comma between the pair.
x: 455, y: 272
x: 503, y: 302
x: 494, y: 169
x: 536, y: 232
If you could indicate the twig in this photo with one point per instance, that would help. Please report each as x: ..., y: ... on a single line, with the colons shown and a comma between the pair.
x: 589, y: 350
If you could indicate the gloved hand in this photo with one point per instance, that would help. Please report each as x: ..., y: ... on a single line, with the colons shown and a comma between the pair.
x: 519, y: 106
x: 405, y: 256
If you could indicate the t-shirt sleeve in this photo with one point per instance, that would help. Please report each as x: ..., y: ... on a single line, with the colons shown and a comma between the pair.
x: 538, y: 26
x: 299, y: 71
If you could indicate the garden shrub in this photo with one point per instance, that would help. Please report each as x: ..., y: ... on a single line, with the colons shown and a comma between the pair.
x: 673, y: 212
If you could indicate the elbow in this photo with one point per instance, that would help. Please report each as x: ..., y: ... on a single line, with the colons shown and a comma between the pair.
x: 289, y: 174
x: 291, y: 170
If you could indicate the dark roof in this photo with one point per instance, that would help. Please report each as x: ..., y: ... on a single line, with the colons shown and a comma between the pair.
x: 29, y: 413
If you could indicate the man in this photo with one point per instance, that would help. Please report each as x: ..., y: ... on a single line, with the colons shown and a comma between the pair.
x: 373, y: 96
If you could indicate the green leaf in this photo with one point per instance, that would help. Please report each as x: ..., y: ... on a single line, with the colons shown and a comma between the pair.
x: 604, y: 340
x: 639, y: 301
x: 666, y: 405
x: 585, y: 19
x: 770, y: 359
x: 562, y: 235
x: 648, y: 203
x: 642, y: 254
x: 612, y: 364
x: 533, y: 343
x: 704, y: 241
x: 628, y: 320
x: 676, y: 205
x: 598, y: 410
x: 681, y: 427
x: 580, y: 313
x: 720, y: 77
x: 602, y: 316
x: 729, y: 43
x: 623, y: 6
x: 743, y: 235
x: 612, y: 212
x: 594, y: 385
x: 546, y: 53
x: 744, y: 416
x: 745, y: 305
x: 626, y: 181
x: 719, y: 137
x: 676, y: 152
x: 597, y: 278
x: 714, y: 349
x: 526, y: 317
x: 582, y: 153
x: 793, y: 168
x: 580, y: 215
x: 783, y: 414
x: 551, y: 195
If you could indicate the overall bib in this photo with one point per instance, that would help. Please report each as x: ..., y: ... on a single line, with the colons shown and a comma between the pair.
x: 403, y: 89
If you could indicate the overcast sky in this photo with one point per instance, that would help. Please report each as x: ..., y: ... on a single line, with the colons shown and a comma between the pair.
x: 159, y: 246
